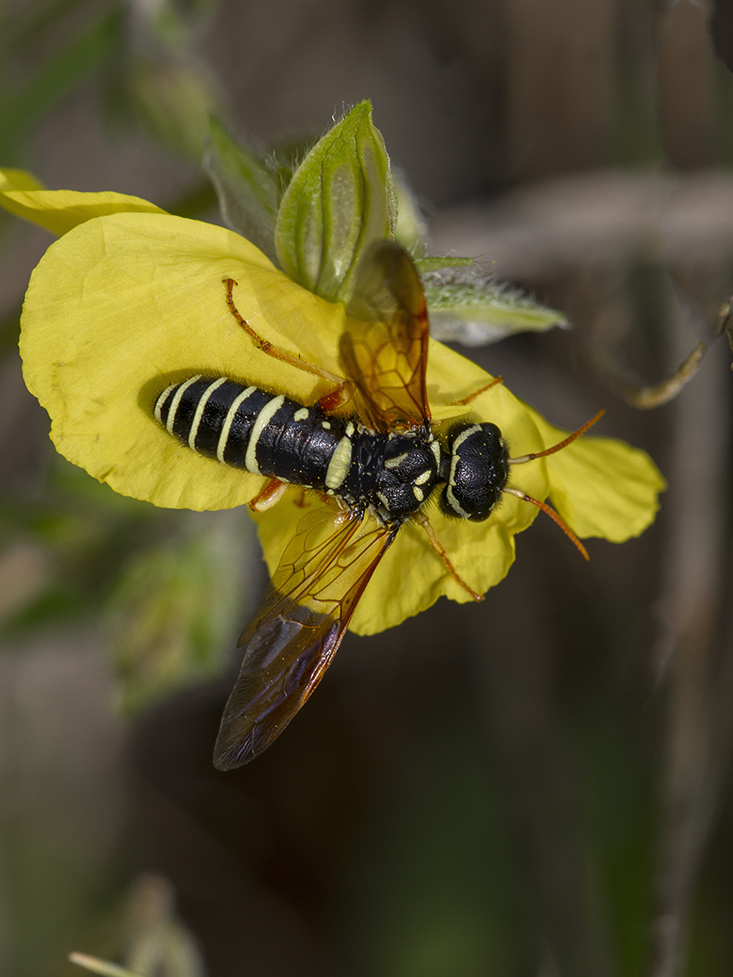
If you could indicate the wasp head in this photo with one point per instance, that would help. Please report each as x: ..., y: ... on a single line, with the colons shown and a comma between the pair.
x: 478, y: 472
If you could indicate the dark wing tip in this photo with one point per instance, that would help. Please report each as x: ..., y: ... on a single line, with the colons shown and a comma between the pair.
x: 238, y: 743
x: 231, y: 752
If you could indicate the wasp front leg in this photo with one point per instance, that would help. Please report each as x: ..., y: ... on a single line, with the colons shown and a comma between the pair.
x: 477, y: 393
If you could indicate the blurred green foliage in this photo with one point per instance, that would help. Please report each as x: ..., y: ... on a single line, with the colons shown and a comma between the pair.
x: 172, y: 609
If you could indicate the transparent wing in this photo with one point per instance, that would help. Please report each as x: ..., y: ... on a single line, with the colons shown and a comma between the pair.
x: 291, y: 640
x: 384, y: 349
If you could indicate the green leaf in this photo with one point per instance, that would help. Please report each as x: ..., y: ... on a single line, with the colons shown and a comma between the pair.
x: 339, y: 202
x: 467, y: 305
x: 247, y: 190
x: 174, y: 100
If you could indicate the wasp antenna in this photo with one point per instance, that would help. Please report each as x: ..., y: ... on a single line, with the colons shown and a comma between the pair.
x: 555, y: 516
x: 522, y: 459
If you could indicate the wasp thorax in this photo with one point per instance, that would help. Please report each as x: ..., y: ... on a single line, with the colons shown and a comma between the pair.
x: 407, y: 475
x: 478, y: 471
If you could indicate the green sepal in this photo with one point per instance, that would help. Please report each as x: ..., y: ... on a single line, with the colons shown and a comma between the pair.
x: 174, y: 100
x: 285, y: 156
x: 468, y: 305
x: 434, y: 263
x: 411, y: 229
x: 340, y: 201
x: 248, y: 190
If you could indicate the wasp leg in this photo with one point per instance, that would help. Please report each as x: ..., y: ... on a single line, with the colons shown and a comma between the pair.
x: 269, y: 495
x: 267, y: 347
x: 422, y: 520
x: 477, y: 393
x: 335, y: 398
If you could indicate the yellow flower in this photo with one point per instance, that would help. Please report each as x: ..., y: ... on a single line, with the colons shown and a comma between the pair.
x: 131, y: 298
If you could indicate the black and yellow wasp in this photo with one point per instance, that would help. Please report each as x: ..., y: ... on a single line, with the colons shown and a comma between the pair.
x: 368, y: 448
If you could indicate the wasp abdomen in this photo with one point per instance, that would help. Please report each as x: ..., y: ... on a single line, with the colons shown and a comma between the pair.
x: 264, y: 433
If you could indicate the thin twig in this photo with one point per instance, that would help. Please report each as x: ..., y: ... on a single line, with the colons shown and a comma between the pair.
x: 648, y: 397
x: 694, y: 598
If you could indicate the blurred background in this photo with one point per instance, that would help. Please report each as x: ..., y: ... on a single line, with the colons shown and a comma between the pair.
x: 533, y: 787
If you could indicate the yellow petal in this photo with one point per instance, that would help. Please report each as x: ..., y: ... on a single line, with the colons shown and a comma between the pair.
x: 123, y: 305
x: 602, y: 486
x: 58, y: 211
x: 18, y: 180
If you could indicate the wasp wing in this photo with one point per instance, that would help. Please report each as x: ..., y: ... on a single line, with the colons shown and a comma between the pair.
x: 384, y: 348
x: 297, y: 629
